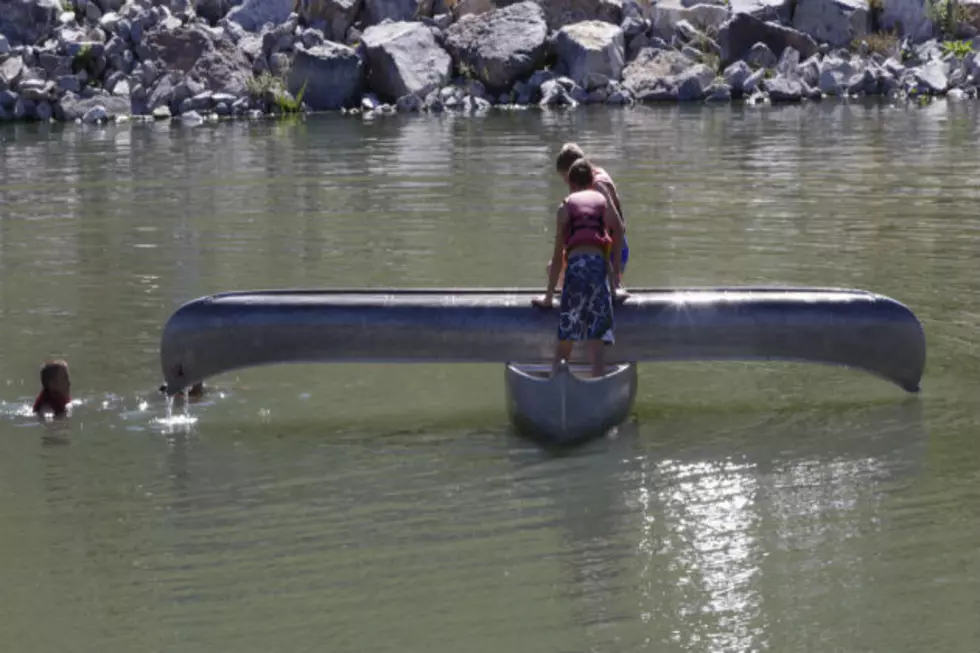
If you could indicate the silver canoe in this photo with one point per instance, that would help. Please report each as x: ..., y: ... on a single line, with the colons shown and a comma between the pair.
x: 571, y: 406
x: 854, y: 328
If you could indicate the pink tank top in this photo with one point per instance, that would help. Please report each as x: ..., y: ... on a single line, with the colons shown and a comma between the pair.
x: 586, y: 220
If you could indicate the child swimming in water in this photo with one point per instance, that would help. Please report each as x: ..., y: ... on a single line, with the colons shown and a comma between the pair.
x: 585, y: 228
x: 55, y: 395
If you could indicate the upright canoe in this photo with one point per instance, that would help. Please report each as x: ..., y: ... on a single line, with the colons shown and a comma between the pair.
x: 229, y: 331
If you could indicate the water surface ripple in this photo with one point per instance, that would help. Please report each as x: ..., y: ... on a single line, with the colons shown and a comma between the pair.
x: 369, y: 508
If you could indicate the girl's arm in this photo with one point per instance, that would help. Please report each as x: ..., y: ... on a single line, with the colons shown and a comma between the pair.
x: 557, y: 256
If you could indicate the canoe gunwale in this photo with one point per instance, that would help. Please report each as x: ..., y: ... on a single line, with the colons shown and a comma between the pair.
x: 857, y: 329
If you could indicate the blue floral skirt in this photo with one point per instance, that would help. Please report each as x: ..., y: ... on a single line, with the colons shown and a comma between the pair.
x: 586, y: 300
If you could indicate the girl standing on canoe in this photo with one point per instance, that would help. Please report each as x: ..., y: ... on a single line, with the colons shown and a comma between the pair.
x: 585, y: 227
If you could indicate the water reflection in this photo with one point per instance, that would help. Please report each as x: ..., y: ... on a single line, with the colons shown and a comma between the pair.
x: 687, y: 533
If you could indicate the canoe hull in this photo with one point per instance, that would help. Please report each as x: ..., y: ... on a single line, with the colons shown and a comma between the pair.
x: 568, y: 408
x: 221, y: 333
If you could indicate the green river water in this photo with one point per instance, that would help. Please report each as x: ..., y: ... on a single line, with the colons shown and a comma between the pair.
x: 746, y: 507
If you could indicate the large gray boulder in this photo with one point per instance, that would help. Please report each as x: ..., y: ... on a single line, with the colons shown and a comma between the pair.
x: 589, y: 49
x: 913, y: 18
x: 404, y: 58
x: 837, y: 22
x: 197, y: 52
x: 394, y: 10
x: 26, y: 22
x: 332, y: 73
x: 333, y: 17
x: 777, y: 10
x: 214, y: 10
x: 657, y: 75
x: 253, y: 14
x: 73, y: 107
x: 737, y: 36
x: 666, y: 14
x: 500, y: 46
x: 558, y: 13
x: 836, y: 74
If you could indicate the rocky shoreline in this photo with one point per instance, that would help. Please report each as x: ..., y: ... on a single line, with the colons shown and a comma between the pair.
x: 194, y: 60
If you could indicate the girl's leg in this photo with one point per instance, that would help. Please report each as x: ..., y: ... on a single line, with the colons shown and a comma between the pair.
x: 597, y: 356
x: 563, y: 351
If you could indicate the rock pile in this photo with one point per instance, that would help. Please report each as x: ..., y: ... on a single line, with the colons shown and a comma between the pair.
x: 96, y: 60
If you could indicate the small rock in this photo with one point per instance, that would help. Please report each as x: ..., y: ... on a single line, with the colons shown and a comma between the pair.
x: 24, y: 109
x: 760, y: 56
x: 8, y: 99
x: 93, y: 14
x: 735, y: 76
x: 784, y: 89
x: 686, y: 31
x: 753, y: 81
x: 789, y: 63
x: 254, y: 14
x: 809, y: 70
x: 931, y: 78
x: 37, y: 90
x: 719, y: 92
x: 96, y: 114
x: 554, y: 94
x: 619, y: 97
x: 692, y: 53
x: 311, y: 38
x: 279, y: 63
x: 956, y: 94
x: 162, y: 113
x: 633, y: 26
x: 240, y: 106
x: 202, y: 101
x: 109, y: 22
x: 43, y: 111
x: 370, y: 102
x: 69, y: 83
x: 191, y: 118
x: 410, y: 103
x: 693, y: 83
x: 11, y: 71
x: 4, y: 45
x: 471, y: 104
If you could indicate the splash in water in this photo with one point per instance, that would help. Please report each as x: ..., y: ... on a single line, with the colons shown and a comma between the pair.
x: 171, y: 422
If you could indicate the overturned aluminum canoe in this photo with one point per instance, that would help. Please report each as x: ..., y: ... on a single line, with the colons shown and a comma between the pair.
x: 569, y: 406
x: 853, y: 328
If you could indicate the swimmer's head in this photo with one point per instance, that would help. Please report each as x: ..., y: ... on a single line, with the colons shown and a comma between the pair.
x: 55, y: 377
